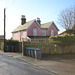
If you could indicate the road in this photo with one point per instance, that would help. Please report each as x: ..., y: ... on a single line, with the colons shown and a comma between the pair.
x: 13, y: 66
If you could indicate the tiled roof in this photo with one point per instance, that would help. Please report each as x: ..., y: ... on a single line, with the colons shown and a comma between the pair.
x: 27, y: 24
x: 46, y: 25
x: 62, y: 33
x: 23, y: 27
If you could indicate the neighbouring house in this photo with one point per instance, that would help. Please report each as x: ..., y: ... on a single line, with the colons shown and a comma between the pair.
x: 34, y: 29
x: 62, y: 33
x: 69, y: 31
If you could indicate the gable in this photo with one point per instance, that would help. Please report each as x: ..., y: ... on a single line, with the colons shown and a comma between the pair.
x: 48, y: 25
x: 34, y: 27
x: 32, y: 24
x: 54, y: 25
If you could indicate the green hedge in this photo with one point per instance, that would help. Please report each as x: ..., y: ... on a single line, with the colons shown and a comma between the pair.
x: 12, y: 42
x: 63, y: 40
x: 71, y: 31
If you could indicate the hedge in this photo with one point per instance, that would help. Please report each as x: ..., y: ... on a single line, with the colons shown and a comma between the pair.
x: 12, y: 42
x: 63, y: 40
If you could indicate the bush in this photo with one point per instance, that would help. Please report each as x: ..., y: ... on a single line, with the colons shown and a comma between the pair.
x: 63, y: 40
x: 71, y: 31
x: 12, y: 42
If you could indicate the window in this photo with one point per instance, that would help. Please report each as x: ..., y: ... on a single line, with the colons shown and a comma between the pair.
x: 18, y: 33
x: 13, y: 34
x: 21, y: 33
x: 44, y: 32
x: 52, y: 32
x: 34, y: 32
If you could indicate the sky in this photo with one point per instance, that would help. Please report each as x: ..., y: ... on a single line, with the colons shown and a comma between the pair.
x: 46, y: 10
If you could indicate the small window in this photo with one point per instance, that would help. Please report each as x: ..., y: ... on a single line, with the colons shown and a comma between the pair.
x: 18, y: 33
x: 13, y: 34
x: 52, y: 32
x: 34, y: 32
x: 44, y: 32
x: 21, y: 33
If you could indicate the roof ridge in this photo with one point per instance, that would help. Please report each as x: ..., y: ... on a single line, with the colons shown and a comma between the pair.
x: 30, y: 20
x: 46, y: 22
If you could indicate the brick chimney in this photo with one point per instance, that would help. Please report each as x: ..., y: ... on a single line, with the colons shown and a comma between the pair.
x: 23, y: 19
x: 39, y: 21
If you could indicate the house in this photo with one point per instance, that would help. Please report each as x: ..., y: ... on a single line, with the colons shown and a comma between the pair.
x: 62, y: 33
x: 34, y: 29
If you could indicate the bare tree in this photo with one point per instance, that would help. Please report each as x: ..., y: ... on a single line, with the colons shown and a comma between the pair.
x: 67, y: 18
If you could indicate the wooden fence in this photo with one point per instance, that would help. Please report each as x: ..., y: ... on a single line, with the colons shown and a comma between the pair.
x: 50, y: 48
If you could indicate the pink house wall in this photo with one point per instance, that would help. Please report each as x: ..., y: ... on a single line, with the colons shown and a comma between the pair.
x: 24, y: 36
x: 30, y: 30
x: 15, y: 36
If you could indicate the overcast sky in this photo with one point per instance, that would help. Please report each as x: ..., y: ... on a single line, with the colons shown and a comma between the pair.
x: 46, y: 10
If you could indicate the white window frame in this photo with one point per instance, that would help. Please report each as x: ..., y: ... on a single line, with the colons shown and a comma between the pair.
x: 18, y: 33
x: 52, y: 32
x: 21, y: 33
x: 44, y: 32
x: 13, y: 34
x: 34, y: 32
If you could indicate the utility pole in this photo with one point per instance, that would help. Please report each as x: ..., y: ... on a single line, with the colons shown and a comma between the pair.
x: 4, y: 26
x: 74, y: 16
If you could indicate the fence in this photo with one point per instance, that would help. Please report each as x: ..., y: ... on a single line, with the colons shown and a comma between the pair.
x: 50, y: 48
x: 1, y: 44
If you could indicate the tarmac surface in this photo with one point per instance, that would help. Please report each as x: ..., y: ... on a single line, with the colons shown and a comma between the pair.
x: 63, y: 64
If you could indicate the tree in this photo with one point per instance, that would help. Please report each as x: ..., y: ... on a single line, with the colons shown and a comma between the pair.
x: 67, y: 18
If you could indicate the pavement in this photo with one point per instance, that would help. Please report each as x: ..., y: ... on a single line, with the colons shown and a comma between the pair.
x: 56, y: 64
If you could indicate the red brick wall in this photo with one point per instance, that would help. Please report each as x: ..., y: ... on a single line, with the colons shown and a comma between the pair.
x: 48, y: 32
x: 40, y: 31
x: 30, y: 30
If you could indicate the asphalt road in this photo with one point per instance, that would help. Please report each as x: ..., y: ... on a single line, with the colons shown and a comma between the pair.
x: 12, y: 66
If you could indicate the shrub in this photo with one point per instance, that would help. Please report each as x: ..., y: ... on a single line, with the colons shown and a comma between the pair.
x: 12, y: 42
x: 63, y: 40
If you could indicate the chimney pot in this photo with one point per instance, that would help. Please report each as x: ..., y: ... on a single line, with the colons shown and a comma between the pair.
x: 38, y: 20
x: 23, y: 19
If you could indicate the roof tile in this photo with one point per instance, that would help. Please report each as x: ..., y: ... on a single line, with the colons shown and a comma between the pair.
x: 46, y: 25
x: 23, y: 27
